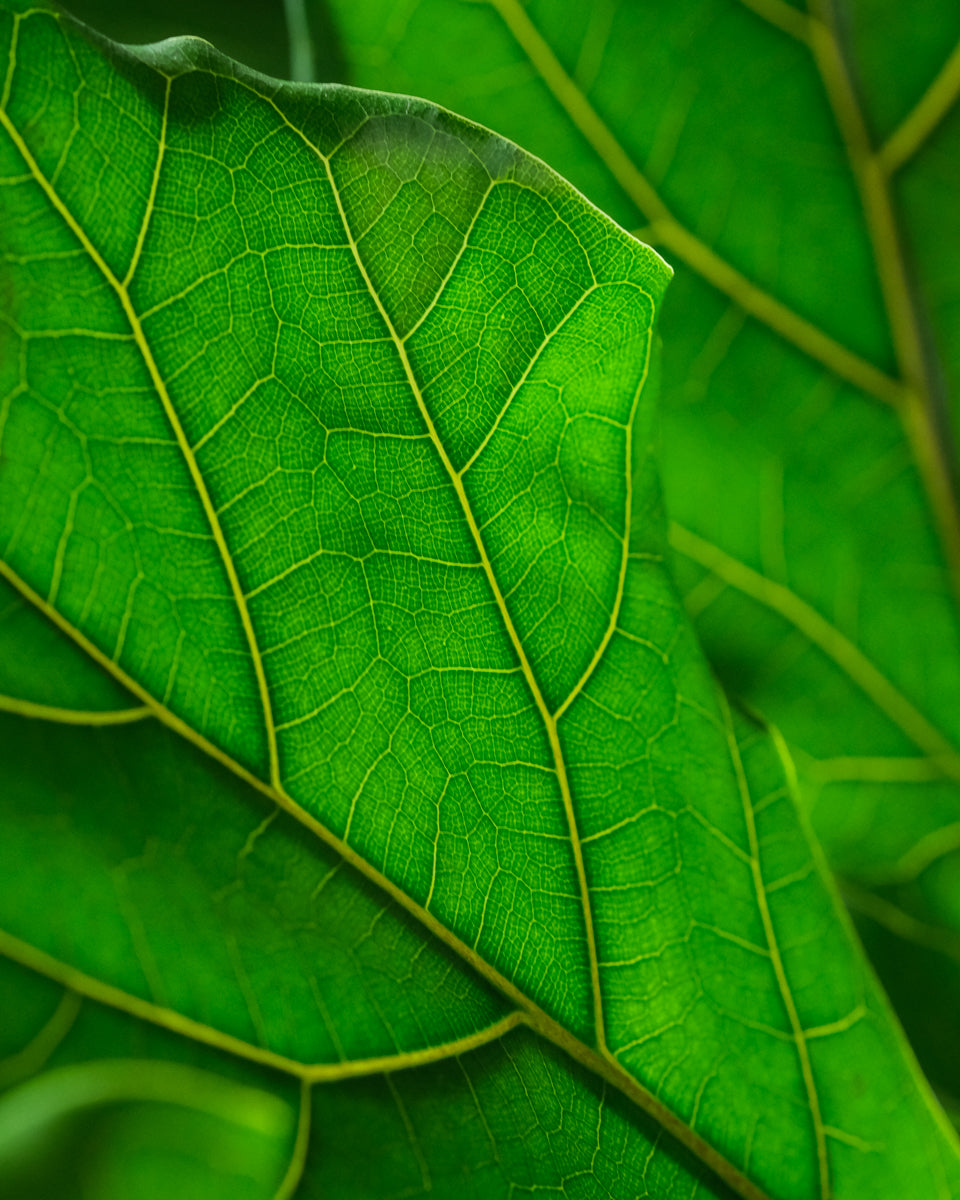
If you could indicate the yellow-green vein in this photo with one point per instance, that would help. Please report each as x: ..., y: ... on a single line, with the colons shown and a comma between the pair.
x: 35, y: 1054
x: 154, y: 184
x: 796, y: 1026
x: 73, y: 716
x: 900, y: 923
x: 921, y: 409
x: 82, y: 984
x: 836, y: 889
x: 298, y: 1158
x: 534, y: 359
x: 926, y: 850
x: 784, y: 16
x: 666, y: 230
x: 827, y: 638
x: 599, y: 1063
x: 528, y: 672
x: 11, y: 63
x: 869, y: 769
x: 159, y: 384
x: 624, y: 554
x: 917, y: 126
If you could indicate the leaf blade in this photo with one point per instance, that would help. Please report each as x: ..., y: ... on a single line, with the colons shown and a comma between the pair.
x: 640, y: 648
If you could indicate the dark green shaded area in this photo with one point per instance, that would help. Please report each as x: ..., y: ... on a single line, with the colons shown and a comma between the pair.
x: 251, y: 31
x: 509, y: 1117
x: 179, y: 884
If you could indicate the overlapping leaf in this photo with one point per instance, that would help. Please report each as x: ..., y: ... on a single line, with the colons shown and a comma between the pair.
x: 800, y: 170
x: 327, y: 440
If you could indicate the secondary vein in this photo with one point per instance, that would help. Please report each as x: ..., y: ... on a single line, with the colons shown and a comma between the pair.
x: 603, y: 1065
x: 298, y: 1158
x: 73, y: 716
x: 625, y: 550
x: 80, y: 983
x: 669, y: 232
x: 921, y: 405
x: 915, y: 129
x: 547, y: 717
x: 123, y: 294
x: 783, y: 983
x: 827, y: 638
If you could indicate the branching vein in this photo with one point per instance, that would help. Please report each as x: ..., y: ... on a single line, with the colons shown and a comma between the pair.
x: 670, y: 233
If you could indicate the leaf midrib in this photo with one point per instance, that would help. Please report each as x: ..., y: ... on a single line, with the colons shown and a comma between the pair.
x: 600, y: 1062
x: 922, y: 412
x: 122, y: 292
x: 456, y: 481
x: 533, y: 1016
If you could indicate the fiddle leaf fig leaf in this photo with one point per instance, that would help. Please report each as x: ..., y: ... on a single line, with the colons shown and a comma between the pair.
x: 799, y: 165
x: 355, y: 727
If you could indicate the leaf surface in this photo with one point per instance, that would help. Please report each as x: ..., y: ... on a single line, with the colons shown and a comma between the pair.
x: 798, y: 166
x: 327, y: 439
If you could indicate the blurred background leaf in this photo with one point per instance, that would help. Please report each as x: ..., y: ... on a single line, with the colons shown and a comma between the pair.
x: 801, y: 171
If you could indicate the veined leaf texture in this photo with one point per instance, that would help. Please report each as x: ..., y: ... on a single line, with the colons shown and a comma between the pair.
x: 797, y: 165
x: 369, y: 803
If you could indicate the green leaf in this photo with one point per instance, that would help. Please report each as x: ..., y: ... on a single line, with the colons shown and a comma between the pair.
x: 326, y: 438
x: 226, y: 926
x: 799, y: 168
x: 173, y: 1125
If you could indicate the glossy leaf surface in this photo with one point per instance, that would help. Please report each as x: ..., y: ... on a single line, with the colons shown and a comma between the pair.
x: 327, y: 440
x: 799, y: 168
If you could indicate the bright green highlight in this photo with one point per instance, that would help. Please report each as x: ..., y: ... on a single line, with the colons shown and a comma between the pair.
x: 802, y: 179
x: 330, y: 441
